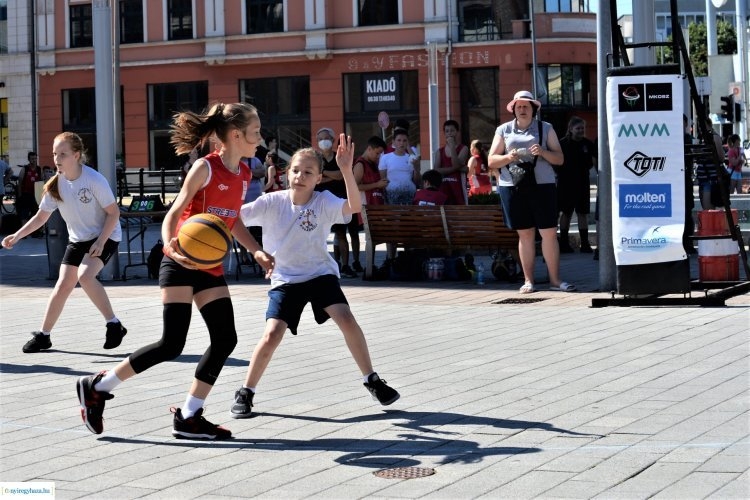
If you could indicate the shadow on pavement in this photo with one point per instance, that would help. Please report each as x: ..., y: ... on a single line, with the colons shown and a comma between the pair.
x: 27, y: 369
x: 370, y: 453
x: 418, y: 420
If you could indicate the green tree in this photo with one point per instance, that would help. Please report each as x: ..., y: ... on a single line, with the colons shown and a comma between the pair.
x: 726, y: 39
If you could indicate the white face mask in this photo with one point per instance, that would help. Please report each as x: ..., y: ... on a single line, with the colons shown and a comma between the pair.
x: 325, y: 144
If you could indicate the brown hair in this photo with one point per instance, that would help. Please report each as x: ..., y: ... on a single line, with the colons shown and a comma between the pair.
x: 76, y: 144
x: 477, y: 144
x: 575, y: 121
x: 191, y: 129
x: 308, y: 153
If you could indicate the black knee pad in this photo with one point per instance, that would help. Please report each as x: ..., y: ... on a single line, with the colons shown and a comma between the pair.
x: 176, y: 324
x: 219, y: 318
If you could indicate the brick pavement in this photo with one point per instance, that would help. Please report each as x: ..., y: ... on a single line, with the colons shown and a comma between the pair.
x: 553, y: 399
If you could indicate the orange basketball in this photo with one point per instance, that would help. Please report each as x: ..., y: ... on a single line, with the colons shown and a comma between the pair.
x: 205, y: 239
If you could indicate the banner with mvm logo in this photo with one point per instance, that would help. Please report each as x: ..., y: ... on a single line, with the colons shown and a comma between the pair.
x: 647, y: 157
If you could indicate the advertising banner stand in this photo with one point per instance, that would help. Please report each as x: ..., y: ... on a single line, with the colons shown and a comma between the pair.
x: 645, y: 105
x: 650, y: 199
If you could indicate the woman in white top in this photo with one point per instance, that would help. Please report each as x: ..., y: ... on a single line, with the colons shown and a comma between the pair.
x: 401, y: 170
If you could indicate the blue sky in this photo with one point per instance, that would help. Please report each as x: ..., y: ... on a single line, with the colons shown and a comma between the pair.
x: 623, y: 6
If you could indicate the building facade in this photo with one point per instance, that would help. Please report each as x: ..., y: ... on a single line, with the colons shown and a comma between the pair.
x: 304, y: 64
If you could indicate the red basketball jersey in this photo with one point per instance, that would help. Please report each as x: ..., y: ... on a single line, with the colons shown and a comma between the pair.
x: 222, y: 196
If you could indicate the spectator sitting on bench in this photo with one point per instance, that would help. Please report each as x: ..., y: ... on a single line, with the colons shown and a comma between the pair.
x: 429, y: 194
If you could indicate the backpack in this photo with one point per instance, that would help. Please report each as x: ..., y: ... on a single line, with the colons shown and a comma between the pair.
x: 504, y: 267
x: 154, y: 259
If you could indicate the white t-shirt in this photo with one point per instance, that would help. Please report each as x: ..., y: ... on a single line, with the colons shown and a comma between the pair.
x: 399, y: 169
x: 297, y: 236
x: 82, y: 205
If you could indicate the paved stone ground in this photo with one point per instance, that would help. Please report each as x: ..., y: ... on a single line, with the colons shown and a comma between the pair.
x: 552, y: 399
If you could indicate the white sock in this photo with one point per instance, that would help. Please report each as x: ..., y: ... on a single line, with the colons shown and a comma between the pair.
x: 113, y: 320
x: 250, y: 388
x: 367, y: 377
x: 108, y: 382
x: 44, y: 333
x: 192, y: 405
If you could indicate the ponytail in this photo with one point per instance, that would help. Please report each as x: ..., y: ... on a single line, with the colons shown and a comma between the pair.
x: 51, y: 187
x: 189, y: 129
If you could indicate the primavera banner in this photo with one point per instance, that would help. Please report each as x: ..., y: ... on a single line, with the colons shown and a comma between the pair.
x: 647, y: 157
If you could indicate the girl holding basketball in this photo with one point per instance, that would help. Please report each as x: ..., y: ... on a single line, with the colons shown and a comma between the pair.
x: 215, y: 184
x: 296, y: 223
x: 88, y: 207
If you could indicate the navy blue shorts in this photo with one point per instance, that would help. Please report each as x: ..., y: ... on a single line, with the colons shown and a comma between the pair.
x: 535, y: 207
x: 287, y: 301
x: 76, y: 250
x: 173, y: 274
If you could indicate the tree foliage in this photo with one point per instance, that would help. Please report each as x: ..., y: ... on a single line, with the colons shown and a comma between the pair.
x: 726, y: 40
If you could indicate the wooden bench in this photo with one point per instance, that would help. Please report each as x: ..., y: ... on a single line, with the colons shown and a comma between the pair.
x: 450, y: 227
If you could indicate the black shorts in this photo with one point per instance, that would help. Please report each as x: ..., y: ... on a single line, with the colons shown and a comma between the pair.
x: 286, y: 302
x: 574, y: 199
x: 352, y: 227
x: 532, y: 208
x: 76, y: 250
x: 173, y: 274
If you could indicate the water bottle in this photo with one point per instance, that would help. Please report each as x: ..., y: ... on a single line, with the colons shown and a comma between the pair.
x: 480, y: 274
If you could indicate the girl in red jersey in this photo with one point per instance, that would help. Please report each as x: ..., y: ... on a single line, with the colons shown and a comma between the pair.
x: 450, y: 160
x: 215, y: 184
x: 479, y: 174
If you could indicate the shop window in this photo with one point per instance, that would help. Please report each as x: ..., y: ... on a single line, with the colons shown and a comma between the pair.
x: 564, y: 85
x: 378, y: 12
x: 164, y: 100
x: 367, y: 94
x: 79, y: 116
x: 476, y: 22
x: 3, y: 26
x: 284, y: 108
x: 264, y: 16
x: 81, y: 26
x: 567, y: 6
x: 131, y: 21
x: 180, y: 15
x: 479, y: 104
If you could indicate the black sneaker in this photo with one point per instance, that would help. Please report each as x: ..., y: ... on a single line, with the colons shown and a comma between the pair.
x: 357, y: 267
x: 348, y: 272
x: 380, y: 390
x: 92, y: 402
x: 586, y: 249
x: 243, y: 404
x: 115, y: 333
x: 197, y: 427
x: 38, y: 342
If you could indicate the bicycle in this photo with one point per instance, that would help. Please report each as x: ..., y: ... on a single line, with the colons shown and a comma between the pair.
x: 10, y: 198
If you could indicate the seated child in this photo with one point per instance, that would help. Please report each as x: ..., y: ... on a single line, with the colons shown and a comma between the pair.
x: 429, y: 194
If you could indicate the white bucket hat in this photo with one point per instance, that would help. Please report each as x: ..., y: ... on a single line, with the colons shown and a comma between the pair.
x: 522, y: 95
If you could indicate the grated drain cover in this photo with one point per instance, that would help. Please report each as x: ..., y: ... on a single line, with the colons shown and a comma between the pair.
x: 516, y: 301
x: 405, y: 472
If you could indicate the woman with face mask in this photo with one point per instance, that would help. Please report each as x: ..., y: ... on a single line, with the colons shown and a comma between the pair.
x: 333, y: 181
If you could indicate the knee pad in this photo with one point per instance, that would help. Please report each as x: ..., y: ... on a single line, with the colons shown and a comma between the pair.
x: 219, y: 318
x: 176, y: 324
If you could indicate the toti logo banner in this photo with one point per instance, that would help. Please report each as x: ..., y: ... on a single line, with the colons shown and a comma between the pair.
x: 648, y: 180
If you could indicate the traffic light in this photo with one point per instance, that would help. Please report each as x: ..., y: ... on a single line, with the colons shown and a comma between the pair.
x: 727, y: 108
x: 737, y: 112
